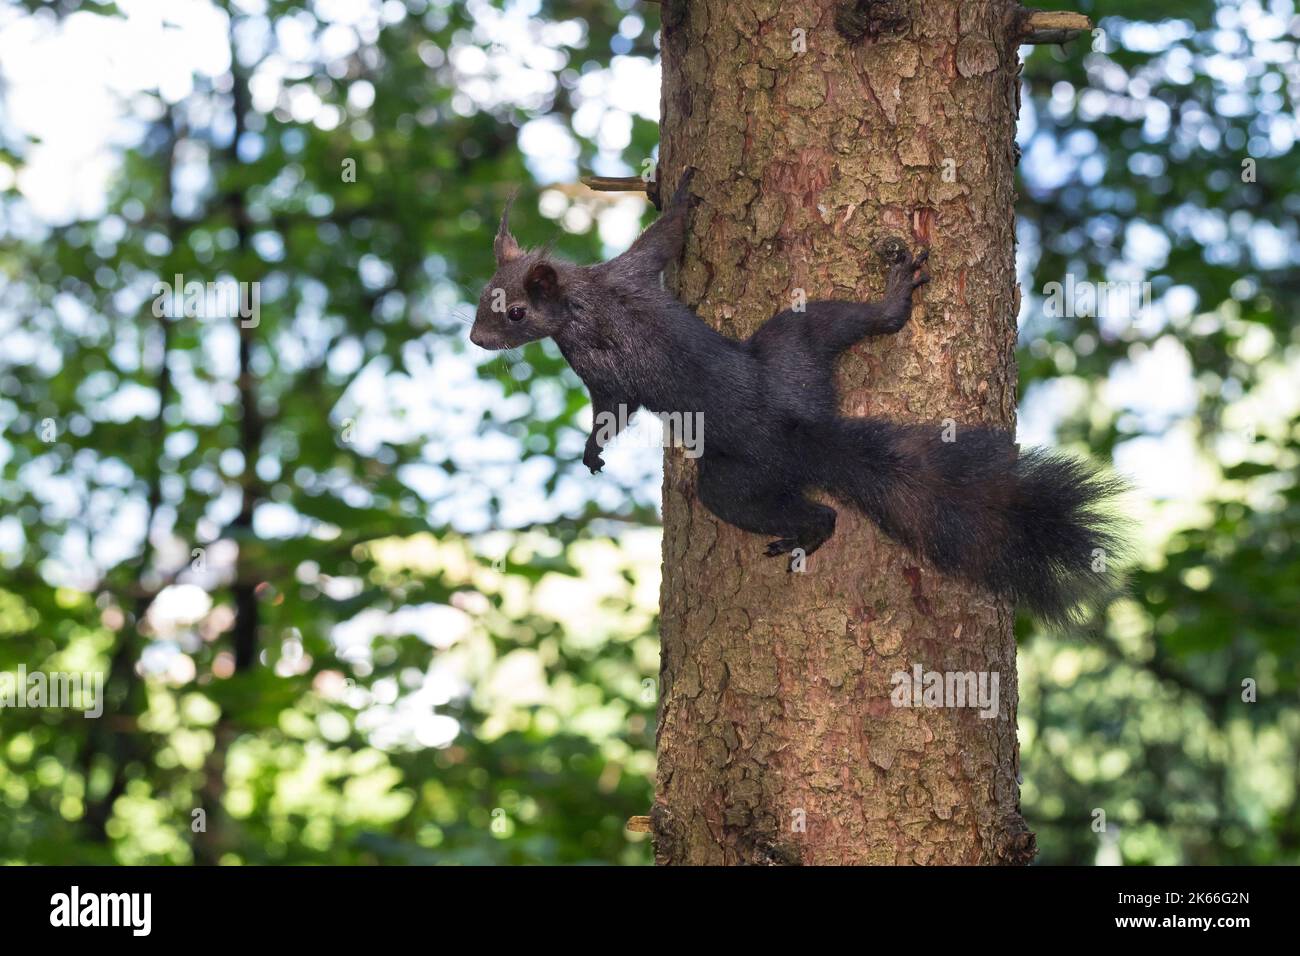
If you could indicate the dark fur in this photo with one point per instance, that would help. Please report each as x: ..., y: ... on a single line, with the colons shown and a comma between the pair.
x: 1024, y: 525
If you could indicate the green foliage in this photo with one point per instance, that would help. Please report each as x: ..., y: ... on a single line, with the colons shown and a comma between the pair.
x: 1148, y: 722
x: 278, y: 474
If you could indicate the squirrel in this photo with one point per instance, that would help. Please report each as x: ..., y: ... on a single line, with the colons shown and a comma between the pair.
x: 1035, y: 526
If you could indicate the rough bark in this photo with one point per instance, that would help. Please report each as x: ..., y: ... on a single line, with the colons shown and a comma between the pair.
x: 777, y: 739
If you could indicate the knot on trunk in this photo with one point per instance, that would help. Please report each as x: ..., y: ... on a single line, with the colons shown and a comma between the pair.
x: 1014, y: 843
x: 855, y: 19
x: 668, y: 834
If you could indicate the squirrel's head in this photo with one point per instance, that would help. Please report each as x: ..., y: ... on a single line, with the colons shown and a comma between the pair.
x: 524, y: 301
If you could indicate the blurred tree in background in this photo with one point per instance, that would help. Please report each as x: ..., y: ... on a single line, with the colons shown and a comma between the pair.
x: 1167, y: 154
x: 355, y: 598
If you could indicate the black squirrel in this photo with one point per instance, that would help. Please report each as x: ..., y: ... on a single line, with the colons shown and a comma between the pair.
x: 1034, y: 526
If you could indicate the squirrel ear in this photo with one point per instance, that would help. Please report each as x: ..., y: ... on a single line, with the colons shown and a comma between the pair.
x: 505, y: 246
x: 542, y: 282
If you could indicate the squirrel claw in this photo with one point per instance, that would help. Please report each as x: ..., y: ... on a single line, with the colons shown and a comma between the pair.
x: 893, y: 250
x: 779, y: 547
x: 682, y: 194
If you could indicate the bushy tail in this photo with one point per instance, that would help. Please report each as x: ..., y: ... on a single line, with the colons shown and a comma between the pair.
x: 1035, y: 525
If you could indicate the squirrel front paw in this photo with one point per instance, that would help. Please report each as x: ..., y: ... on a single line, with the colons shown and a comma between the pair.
x: 591, y: 458
x: 906, y: 273
x: 905, y: 277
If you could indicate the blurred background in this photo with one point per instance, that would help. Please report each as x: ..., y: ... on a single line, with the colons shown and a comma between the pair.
x: 355, y: 598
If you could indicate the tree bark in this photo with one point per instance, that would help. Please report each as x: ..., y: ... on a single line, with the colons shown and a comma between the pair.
x: 778, y: 742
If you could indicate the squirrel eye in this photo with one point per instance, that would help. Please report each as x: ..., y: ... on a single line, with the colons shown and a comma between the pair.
x: 516, y: 313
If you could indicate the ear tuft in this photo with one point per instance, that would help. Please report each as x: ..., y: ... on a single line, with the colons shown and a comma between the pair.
x: 542, y: 282
x: 505, y: 246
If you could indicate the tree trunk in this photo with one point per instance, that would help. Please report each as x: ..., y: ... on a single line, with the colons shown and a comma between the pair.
x: 778, y: 741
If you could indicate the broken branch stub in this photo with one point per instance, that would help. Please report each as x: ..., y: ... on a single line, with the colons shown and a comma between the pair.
x: 1050, y: 26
